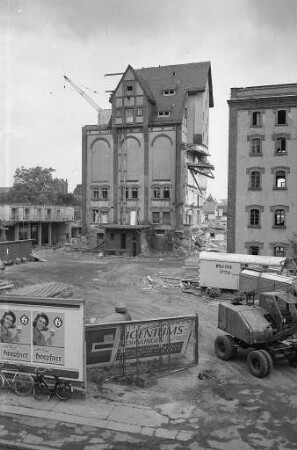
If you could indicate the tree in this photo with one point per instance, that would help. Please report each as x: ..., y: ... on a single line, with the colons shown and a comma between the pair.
x: 34, y: 185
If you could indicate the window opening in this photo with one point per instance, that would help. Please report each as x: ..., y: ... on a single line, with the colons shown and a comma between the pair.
x: 255, y: 180
x: 163, y: 113
x: 104, y: 193
x: 281, y: 118
x: 254, y: 217
x: 279, y: 217
x: 157, y: 192
x: 281, y: 145
x: 156, y: 217
x: 253, y: 250
x: 256, y: 146
x: 256, y: 118
x: 279, y: 251
x: 166, y: 217
x: 280, y: 179
x: 95, y: 195
x: 134, y: 192
x: 166, y: 192
x: 129, y: 115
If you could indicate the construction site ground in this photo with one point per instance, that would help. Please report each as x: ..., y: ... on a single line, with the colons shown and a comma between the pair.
x: 215, y: 405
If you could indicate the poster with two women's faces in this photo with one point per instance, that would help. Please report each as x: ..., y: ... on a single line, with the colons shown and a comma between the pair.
x: 31, y: 335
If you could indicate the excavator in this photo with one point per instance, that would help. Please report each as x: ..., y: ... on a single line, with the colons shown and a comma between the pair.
x: 265, y: 328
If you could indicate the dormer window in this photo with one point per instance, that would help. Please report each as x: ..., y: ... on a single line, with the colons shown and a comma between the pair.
x: 168, y: 92
x: 163, y: 113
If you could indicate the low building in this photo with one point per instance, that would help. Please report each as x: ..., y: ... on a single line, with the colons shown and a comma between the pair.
x: 44, y: 224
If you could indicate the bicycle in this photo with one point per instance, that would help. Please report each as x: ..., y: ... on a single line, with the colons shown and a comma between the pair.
x: 22, y: 383
x: 44, y: 388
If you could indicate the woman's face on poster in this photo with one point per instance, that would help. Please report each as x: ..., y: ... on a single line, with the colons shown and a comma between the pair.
x: 8, y: 321
x: 40, y: 323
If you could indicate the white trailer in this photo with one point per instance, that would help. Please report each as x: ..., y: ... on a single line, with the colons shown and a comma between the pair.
x: 257, y: 281
x: 221, y: 270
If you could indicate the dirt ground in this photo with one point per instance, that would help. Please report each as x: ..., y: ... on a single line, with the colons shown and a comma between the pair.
x: 225, y: 397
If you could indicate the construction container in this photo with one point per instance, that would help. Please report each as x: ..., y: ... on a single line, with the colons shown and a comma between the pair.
x: 221, y: 270
x: 259, y: 281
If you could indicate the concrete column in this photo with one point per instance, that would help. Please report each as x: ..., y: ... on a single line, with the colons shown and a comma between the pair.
x: 39, y: 234
x: 16, y: 232
x: 49, y: 230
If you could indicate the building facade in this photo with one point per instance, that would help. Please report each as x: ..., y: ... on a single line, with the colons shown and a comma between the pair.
x: 44, y: 224
x: 144, y: 174
x: 262, y: 181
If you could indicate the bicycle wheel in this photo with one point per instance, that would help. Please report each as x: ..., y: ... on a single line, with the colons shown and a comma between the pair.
x: 2, y: 381
x: 63, y: 390
x: 40, y: 390
x: 23, y: 384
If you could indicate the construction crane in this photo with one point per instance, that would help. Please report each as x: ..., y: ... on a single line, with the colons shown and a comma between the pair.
x: 86, y: 97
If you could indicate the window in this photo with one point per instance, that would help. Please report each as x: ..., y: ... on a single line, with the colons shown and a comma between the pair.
x: 27, y: 214
x: 14, y: 213
x: 281, y: 117
x: 280, y: 179
x: 166, y: 217
x: 129, y: 115
x: 129, y: 88
x: 168, y: 92
x: 140, y: 111
x: 279, y: 251
x: 156, y: 217
x: 280, y: 145
x: 134, y: 192
x: 95, y: 216
x: 256, y: 146
x: 118, y: 112
x: 185, y: 119
x: 95, y: 193
x: 163, y: 113
x: 255, y: 179
x: 104, y: 193
x: 166, y: 192
x: 48, y: 213
x: 157, y: 192
x: 254, y: 218
x: 254, y: 250
x: 256, y: 119
x: 279, y: 218
x: 127, y: 192
x: 58, y: 214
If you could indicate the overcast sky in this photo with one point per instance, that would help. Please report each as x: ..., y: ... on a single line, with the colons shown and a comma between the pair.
x: 248, y: 42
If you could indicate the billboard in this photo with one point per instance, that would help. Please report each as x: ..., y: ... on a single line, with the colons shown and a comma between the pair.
x: 106, y: 343
x: 45, y: 332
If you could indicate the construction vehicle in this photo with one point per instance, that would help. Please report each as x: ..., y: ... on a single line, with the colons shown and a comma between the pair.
x: 266, y: 330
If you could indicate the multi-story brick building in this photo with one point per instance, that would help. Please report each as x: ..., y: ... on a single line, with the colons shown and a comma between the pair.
x: 144, y: 174
x: 262, y: 181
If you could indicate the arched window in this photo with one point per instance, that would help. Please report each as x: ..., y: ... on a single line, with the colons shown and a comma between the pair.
x: 279, y: 251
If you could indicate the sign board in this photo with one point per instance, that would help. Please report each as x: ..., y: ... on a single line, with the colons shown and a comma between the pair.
x: 106, y: 343
x: 43, y: 332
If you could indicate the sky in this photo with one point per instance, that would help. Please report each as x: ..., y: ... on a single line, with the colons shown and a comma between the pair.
x: 248, y: 43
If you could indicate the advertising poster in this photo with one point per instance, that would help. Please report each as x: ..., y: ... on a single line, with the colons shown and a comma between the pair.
x: 48, y: 337
x: 15, y: 334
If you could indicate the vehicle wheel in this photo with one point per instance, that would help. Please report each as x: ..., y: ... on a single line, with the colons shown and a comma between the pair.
x: 23, y: 384
x: 224, y: 347
x: 269, y: 360
x: 40, y: 391
x: 63, y: 390
x: 257, y: 364
x: 2, y: 381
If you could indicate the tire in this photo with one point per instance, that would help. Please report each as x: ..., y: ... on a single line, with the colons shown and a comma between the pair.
x: 40, y: 391
x: 257, y: 364
x: 269, y: 360
x: 2, y: 381
x: 224, y: 347
x: 63, y: 390
x: 23, y: 384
